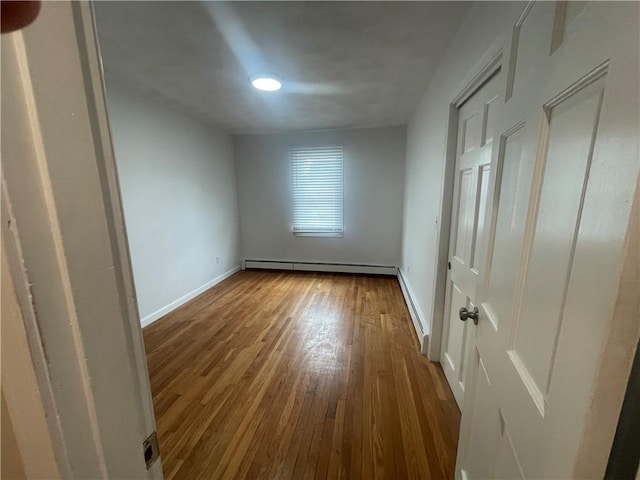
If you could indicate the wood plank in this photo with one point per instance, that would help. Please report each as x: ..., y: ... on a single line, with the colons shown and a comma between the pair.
x: 298, y: 375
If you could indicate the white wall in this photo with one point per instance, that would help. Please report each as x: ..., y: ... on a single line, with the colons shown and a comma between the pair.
x: 179, y: 197
x: 373, y: 193
x: 426, y: 144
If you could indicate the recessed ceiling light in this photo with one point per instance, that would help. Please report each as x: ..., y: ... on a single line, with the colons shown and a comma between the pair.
x: 268, y: 83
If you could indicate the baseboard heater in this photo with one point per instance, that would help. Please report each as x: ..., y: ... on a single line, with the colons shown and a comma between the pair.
x: 321, y: 267
x: 413, y: 312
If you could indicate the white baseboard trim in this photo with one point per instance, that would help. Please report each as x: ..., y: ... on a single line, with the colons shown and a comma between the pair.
x: 149, y: 319
x: 320, y: 267
x: 421, y: 332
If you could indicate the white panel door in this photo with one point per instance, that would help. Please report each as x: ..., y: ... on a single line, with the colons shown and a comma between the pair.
x: 566, y: 166
x: 466, y: 252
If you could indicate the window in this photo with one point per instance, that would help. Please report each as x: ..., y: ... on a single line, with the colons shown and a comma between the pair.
x: 316, y: 187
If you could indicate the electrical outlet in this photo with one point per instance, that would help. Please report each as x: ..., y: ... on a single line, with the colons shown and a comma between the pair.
x: 217, y: 259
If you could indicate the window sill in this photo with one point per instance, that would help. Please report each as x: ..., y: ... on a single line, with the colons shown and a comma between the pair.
x: 318, y: 234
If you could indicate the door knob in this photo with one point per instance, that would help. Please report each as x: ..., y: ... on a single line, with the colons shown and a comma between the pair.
x: 464, y: 314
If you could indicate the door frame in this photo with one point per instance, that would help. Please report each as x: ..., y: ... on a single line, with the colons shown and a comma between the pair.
x: 490, y: 62
x: 26, y: 386
x: 83, y: 424
x: 97, y: 104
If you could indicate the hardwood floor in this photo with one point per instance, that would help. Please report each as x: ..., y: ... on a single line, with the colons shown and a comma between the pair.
x: 298, y: 375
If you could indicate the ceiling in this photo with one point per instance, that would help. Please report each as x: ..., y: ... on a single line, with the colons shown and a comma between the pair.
x: 344, y: 64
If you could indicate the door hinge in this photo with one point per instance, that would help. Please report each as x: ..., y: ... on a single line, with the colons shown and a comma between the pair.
x: 150, y: 450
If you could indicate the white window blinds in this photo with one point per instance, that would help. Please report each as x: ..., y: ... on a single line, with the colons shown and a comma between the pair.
x: 316, y: 186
